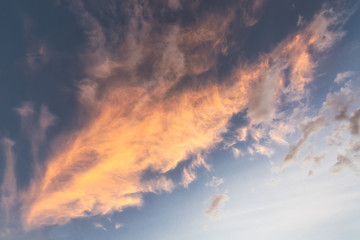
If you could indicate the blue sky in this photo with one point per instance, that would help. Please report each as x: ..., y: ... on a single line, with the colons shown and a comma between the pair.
x: 175, y: 119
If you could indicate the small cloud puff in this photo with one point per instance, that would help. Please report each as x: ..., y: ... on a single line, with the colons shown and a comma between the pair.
x: 217, y: 202
x: 341, y: 77
x: 100, y: 226
x: 215, y: 182
x: 118, y: 225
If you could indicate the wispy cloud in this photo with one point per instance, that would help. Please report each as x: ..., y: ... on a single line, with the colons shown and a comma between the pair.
x: 334, y: 112
x: 8, y: 187
x: 35, y: 125
x: 9, y: 193
x: 215, y: 182
x: 355, y: 122
x: 154, y: 101
x: 100, y: 226
x: 349, y: 159
x: 308, y: 128
x: 315, y: 158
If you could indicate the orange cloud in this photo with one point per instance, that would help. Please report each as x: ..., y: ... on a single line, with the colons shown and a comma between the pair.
x: 145, y: 126
x: 100, y: 168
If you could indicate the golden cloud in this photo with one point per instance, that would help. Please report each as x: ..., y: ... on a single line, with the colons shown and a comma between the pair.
x: 135, y: 128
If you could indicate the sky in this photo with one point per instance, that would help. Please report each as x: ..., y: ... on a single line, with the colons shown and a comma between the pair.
x: 179, y: 119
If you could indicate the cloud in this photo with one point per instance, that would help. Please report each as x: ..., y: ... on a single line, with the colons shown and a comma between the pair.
x: 153, y: 101
x: 336, y: 138
x: 355, y: 122
x: 35, y: 125
x: 9, y: 185
x: 37, y: 51
x: 37, y: 57
x: 354, y: 147
x: 236, y: 152
x: 344, y: 162
x: 174, y: 4
x: 338, y: 103
x: 341, y: 77
x: 215, y: 182
x: 300, y: 21
x: 242, y: 134
x: 308, y: 127
x: 278, y: 134
x: 251, y: 14
x: 250, y: 150
x: 217, y: 202
x: 118, y: 226
x: 316, y: 159
x: 189, y: 174
x: 334, y: 109
x: 350, y: 159
x: 132, y: 129
x: 294, y: 54
x: 263, y: 150
x: 100, y: 226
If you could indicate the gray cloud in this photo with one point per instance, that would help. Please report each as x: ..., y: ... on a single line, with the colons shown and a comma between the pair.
x: 316, y: 159
x: 342, y: 163
x: 337, y: 104
x: 334, y: 109
x: 336, y: 138
x: 308, y: 128
x: 350, y: 159
x: 354, y: 121
x: 354, y: 147
x: 341, y: 77
x: 217, y: 202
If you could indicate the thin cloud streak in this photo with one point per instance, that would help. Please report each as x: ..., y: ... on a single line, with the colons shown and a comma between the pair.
x: 8, y: 187
x: 35, y: 125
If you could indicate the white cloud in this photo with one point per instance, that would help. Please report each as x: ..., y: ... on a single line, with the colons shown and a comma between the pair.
x: 236, y: 152
x: 215, y: 182
x: 263, y: 150
x: 100, y: 226
x: 118, y: 226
